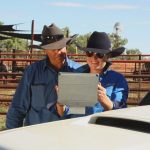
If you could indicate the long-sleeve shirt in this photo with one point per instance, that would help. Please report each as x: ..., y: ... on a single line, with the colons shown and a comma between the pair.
x: 116, y: 89
x: 36, y: 95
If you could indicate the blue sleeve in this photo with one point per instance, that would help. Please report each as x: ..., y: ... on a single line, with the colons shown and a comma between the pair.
x: 74, y: 66
x: 20, y: 103
x: 117, y: 90
x: 120, y: 93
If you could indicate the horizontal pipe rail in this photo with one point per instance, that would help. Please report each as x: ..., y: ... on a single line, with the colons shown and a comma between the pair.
x: 20, y: 59
x: 136, y: 82
x: 11, y: 73
x: 5, y: 86
x: 3, y: 113
x: 137, y: 76
x: 69, y: 54
x: 3, y: 100
x: 82, y: 60
x: 78, y: 58
x: 147, y: 75
x: 14, y: 80
x: 20, y: 54
x: 139, y: 89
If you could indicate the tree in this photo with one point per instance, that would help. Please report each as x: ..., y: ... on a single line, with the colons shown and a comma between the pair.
x: 13, y: 43
x: 117, y: 41
x: 133, y: 52
x: 66, y: 31
x: 80, y: 40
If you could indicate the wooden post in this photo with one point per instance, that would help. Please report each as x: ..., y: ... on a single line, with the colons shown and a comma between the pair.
x: 32, y: 38
x: 139, y: 80
x: 14, y: 65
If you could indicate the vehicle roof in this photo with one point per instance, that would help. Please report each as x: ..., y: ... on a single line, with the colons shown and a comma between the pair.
x: 80, y: 133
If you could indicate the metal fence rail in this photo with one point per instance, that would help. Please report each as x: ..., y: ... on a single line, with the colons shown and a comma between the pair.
x: 139, y: 82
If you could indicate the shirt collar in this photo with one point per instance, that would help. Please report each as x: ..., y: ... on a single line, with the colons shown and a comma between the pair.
x: 45, y: 62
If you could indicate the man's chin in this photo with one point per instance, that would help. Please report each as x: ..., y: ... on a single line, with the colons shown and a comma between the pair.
x: 60, y: 64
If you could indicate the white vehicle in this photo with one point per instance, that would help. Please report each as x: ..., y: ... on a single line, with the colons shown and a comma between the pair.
x: 124, y: 129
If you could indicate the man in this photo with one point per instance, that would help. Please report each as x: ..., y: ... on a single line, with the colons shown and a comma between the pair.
x: 113, y: 88
x: 35, y: 98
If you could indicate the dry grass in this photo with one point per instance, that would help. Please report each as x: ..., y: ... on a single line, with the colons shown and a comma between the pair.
x: 3, y: 108
x: 4, y: 93
x: 2, y: 122
x: 7, y: 93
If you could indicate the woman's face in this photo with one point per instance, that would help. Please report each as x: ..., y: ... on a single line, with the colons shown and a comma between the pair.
x: 96, y: 62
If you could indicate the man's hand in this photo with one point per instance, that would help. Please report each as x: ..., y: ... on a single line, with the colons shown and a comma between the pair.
x: 59, y: 107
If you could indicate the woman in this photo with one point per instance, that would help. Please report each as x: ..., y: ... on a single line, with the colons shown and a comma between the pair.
x: 112, y: 87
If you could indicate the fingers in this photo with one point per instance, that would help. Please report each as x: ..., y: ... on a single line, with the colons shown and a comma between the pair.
x: 56, y: 88
x: 60, y: 109
x: 101, y: 92
x: 101, y: 89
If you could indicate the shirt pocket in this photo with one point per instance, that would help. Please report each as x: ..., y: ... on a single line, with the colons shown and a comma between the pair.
x: 38, y: 96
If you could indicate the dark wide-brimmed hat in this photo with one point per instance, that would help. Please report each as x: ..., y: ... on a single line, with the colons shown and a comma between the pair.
x: 99, y: 42
x: 53, y: 38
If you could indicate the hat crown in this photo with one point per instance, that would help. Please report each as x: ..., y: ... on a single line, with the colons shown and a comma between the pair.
x: 52, y: 38
x: 99, y: 40
x: 51, y: 34
x: 51, y: 30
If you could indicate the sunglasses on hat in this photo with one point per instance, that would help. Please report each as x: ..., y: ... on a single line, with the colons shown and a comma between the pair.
x: 98, y: 55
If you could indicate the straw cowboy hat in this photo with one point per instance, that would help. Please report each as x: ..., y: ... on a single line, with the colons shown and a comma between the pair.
x: 53, y: 38
x: 99, y: 42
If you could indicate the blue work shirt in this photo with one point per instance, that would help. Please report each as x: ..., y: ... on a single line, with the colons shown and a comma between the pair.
x: 36, y: 95
x: 116, y: 89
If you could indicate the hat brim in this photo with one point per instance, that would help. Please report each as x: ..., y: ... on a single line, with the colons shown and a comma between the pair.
x: 115, y: 52
x: 56, y: 45
x: 72, y: 39
x: 108, y: 53
x: 52, y: 46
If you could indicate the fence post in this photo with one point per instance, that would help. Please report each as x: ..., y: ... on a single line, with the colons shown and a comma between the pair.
x: 14, y: 63
x: 139, y: 79
x: 32, y: 38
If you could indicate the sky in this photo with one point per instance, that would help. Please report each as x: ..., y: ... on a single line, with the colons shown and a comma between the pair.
x: 84, y: 16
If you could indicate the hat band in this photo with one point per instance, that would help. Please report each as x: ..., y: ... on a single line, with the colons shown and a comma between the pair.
x: 52, y: 39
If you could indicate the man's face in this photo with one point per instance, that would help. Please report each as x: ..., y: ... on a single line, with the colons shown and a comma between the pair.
x: 57, y: 57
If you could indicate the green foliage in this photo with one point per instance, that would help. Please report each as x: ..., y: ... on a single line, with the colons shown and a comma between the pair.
x: 133, y: 52
x: 66, y: 31
x: 117, y: 41
x: 1, y: 23
x: 80, y: 40
x: 13, y: 43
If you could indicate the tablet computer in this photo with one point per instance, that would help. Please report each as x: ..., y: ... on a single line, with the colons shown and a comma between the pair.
x: 77, y: 89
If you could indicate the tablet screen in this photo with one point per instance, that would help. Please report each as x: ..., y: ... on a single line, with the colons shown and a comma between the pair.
x: 77, y: 89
